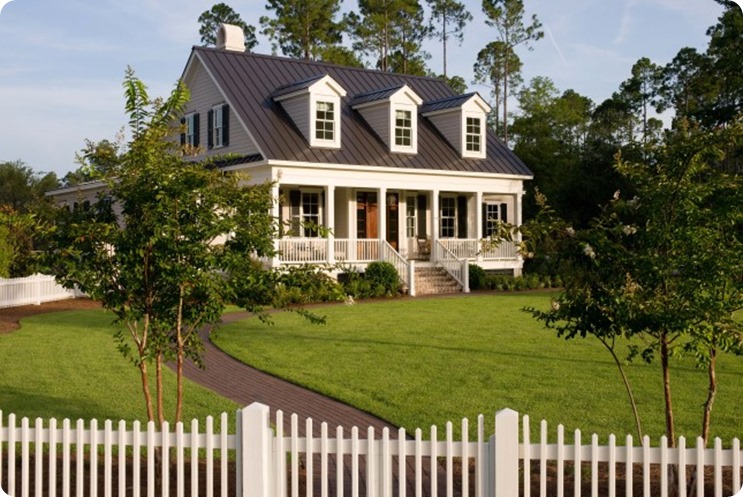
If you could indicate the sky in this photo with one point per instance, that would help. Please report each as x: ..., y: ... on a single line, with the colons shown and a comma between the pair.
x: 62, y: 61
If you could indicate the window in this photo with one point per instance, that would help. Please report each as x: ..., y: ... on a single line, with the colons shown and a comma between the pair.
x: 448, y: 214
x: 325, y: 121
x: 219, y: 126
x: 493, y: 213
x: 310, y: 213
x: 403, y: 128
x: 191, y: 135
x: 304, y: 211
x: 411, y: 217
x: 473, y: 135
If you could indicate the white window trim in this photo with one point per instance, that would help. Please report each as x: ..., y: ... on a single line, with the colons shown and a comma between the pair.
x: 191, y: 130
x: 217, y: 126
x: 320, y: 211
x: 317, y: 142
x: 441, y: 216
x: 482, y: 153
x: 413, y: 147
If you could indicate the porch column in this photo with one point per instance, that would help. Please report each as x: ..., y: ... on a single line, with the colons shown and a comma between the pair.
x: 478, y: 219
x: 382, y: 212
x: 434, y: 223
x: 330, y: 221
x: 276, y: 215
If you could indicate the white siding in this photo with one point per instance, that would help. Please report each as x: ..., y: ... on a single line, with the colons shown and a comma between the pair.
x: 204, y: 96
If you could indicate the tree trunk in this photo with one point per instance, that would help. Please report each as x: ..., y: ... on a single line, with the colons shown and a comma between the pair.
x: 146, y: 390
x: 159, y: 381
x: 711, y: 392
x: 627, y: 387
x: 179, y: 358
x: 444, y: 40
x: 664, y: 357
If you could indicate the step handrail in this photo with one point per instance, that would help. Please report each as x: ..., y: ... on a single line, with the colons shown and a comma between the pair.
x: 456, y: 268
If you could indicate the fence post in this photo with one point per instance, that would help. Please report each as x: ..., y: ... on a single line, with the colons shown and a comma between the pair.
x: 466, y: 276
x: 505, y: 465
x: 411, y: 279
x: 254, y: 452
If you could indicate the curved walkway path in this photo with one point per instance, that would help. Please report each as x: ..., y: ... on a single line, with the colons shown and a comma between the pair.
x: 243, y: 384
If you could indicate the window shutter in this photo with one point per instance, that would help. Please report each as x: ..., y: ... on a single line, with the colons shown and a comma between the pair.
x: 422, y: 201
x: 504, y: 213
x: 295, y: 204
x: 197, y: 130
x: 210, y: 129
x: 461, y: 216
x: 225, y: 125
x: 484, y: 232
x: 183, y: 134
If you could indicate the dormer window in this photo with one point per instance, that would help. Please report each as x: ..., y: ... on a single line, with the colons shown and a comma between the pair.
x: 190, y: 134
x: 403, y: 128
x: 473, y: 134
x: 325, y: 121
x: 393, y: 115
x: 314, y: 106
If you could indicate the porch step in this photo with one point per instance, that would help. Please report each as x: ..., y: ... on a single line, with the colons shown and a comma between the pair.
x: 431, y: 280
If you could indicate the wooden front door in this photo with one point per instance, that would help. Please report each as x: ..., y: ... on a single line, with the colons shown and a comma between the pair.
x: 367, y: 224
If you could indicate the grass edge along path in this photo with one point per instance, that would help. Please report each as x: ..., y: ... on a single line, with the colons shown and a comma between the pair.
x: 418, y: 362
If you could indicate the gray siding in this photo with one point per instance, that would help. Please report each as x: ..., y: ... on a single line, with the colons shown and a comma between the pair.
x: 378, y: 118
x: 204, y: 96
x: 449, y: 125
x: 298, y: 109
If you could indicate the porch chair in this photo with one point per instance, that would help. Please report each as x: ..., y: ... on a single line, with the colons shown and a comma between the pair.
x: 424, y: 248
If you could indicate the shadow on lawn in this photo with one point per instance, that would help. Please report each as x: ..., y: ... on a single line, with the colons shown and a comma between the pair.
x: 30, y: 405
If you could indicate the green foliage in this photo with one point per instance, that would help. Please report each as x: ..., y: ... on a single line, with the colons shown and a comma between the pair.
x: 303, y: 29
x: 306, y: 284
x: 22, y: 189
x: 383, y: 279
x: 20, y: 235
x: 453, y: 16
x: 6, y: 252
x: 664, y: 264
x: 477, y: 277
x: 210, y: 20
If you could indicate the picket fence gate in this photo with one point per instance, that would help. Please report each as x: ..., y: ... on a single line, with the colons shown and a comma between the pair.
x: 257, y: 461
x: 35, y: 289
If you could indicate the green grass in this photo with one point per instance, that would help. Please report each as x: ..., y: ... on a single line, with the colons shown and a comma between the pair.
x: 66, y: 365
x: 417, y: 362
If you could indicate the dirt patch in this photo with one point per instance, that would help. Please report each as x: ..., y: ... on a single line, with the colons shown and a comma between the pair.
x: 10, y: 316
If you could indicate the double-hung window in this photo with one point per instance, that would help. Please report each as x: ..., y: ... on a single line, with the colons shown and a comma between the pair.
x: 448, y: 213
x: 494, y: 213
x: 403, y: 128
x: 325, y: 121
x: 473, y: 134
x: 190, y: 130
x: 219, y: 126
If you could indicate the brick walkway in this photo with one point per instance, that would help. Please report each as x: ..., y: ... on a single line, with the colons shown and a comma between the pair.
x: 245, y: 385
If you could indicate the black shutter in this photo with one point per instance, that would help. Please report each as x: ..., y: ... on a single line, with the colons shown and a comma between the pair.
x: 183, y: 134
x: 504, y: 213
x: 484, y: 208
x: 461, y: 216
x: 197, y: 130
x: 295, y: 203
x: 225, y: 125
x: 422, y: 206
x: 210, y: 129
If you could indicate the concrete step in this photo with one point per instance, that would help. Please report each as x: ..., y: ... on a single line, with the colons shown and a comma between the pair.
x: 434, y: 280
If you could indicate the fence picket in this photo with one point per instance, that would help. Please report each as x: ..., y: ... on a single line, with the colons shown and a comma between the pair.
x: 26, y: 472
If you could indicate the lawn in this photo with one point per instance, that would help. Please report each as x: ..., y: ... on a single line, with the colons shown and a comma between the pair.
x: 66, y: 365
x: 417, y: 362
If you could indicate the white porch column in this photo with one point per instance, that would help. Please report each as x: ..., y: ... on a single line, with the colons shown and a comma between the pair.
x: 434, y: 216
x: 382, y: 203
x: 276, y: 215
x: 478, y: 219
x: 330, y: 221
x: 517, y: 220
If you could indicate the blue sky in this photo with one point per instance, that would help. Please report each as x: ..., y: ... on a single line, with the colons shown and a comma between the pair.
x: 62, y: 61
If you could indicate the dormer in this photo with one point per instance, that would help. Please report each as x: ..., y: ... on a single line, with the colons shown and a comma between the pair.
x: 393, y: 115
x: 314, y: 105
x: 462, y: 120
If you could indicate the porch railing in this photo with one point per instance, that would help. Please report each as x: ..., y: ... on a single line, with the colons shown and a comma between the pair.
x: 303, y: 250
x: 456, y: 267
x: 392, y: 256
x: 472, y: 248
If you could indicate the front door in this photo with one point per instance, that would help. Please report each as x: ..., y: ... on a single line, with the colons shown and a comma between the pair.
x: 393, y: 220
x: 367, y: 225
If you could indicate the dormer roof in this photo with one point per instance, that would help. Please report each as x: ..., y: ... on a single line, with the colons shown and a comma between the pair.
x: 385, y: 95
x: 254, y: 86
x: 308, y: 85
x: 454, y: 103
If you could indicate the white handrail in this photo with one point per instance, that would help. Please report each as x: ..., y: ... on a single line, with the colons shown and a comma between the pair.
x: 456, y: 267
x: 389, y: 254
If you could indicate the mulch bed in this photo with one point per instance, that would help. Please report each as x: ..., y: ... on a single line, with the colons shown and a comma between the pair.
x: 10, y: 316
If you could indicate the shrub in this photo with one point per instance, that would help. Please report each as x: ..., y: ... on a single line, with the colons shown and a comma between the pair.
x: 382, y: 278
x: 306, y: 284
x: 477, y: 277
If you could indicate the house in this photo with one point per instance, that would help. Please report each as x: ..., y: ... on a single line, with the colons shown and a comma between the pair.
x: 366, y: 165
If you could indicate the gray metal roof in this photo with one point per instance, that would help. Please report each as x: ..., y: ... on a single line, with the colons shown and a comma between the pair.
x: 296, y: 86
x: 250, y: 81
x: 445, y: 103
x: 374, y: 96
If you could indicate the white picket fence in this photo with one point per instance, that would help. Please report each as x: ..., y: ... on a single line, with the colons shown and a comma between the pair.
x: 260, y: 462
x: 35, y: 289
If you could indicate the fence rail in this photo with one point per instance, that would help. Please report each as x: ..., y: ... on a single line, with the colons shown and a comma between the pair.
x: 35, y: 289
x: 136, y: 461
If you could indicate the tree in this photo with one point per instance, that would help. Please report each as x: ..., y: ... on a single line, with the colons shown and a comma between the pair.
x: 725, y: 47
x: 382, y: 28
x: 302, y: 28
x: 23, y: 189
x: 159, y: 265
x: 489, y: 70
x: 223, y: 13
x: 453, y: 16
x: 97, y: 160
x: 642, y: 90
x: 664, y: 264
x: 507, y: 16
